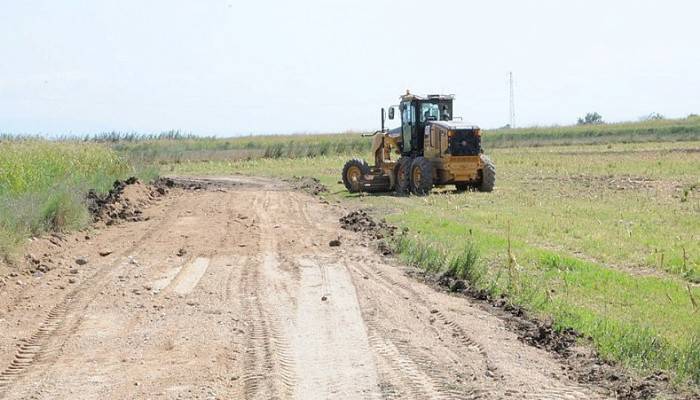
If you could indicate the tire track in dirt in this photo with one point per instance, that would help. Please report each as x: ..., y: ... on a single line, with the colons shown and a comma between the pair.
x: 217, y: 248
x: 314, y: 294
x: 268, y: 362
x: 305, y: 203
x: 458, y: 332
x: 329, y: 335
x: 401, y: 290
x: 275, y: 309
x: 420, y: 377
x: 235, y: 267
x: 37, y: 348
x: 417, y: 374
x: 258, y: 351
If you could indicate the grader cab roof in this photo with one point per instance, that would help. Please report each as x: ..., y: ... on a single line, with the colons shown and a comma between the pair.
x: 410, y: 96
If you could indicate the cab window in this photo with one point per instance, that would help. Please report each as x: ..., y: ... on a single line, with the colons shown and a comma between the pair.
x: 408, y: 114
x: 429, y: 112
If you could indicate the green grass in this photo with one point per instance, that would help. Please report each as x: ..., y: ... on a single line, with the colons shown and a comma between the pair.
x: 604, y: 238
x: 43, y: 184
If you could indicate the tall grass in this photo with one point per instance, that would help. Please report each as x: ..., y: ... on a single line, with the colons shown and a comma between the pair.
x: 34, y: 165
x: 175, y: 147
x: 42, y: 186
x: 462, y: 263
x: 243, y: 148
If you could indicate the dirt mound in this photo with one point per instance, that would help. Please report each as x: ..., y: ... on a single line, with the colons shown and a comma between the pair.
x: 361, y: 221
x: 308, y: 184
x: 125, y: 201
x: 164, y: 184
x: 377, y: 231
x: 598, y: 372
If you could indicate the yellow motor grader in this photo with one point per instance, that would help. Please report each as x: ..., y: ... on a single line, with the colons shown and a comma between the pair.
x: 428, y: 149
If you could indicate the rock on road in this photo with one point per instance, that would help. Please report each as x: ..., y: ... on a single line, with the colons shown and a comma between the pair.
x: 234, y: 293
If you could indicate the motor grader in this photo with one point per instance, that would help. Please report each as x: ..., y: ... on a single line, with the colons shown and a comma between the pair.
x: 429, y: 149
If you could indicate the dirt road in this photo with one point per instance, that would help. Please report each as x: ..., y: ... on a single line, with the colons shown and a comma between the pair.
x: 234, y: 293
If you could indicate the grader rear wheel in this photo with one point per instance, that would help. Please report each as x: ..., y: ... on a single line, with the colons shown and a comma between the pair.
x: 488, y: 175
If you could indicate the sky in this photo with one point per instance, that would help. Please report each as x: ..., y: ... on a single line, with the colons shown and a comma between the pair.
x: 229, y: 67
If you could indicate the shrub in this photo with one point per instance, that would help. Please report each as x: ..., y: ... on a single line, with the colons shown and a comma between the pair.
x: 591, y: 119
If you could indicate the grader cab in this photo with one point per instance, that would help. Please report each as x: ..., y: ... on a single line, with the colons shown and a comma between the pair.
x: 429, y: 149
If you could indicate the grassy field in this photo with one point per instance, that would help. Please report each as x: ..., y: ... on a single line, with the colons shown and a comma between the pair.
x: 43, y: 186
x: 603, y: 238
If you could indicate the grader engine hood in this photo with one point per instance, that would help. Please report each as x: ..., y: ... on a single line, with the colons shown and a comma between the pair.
x: 464, y: 142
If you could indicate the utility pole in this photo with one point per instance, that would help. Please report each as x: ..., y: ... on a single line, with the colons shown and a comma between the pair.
x: 512, y: 100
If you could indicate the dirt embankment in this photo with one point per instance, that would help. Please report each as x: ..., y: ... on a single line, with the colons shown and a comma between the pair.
x: 126, y: 200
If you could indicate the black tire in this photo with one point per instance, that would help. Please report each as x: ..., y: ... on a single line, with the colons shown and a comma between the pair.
x: 421, y: 176
x: 488, y: 175
x: 402, y: 173
x: 462, y: 187
x: 352, y: 172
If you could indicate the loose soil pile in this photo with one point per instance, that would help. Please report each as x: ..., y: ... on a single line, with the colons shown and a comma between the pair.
x: 379, y: 232
x: 125, y: 201
x: 361, y: 221
x: 308, y: 184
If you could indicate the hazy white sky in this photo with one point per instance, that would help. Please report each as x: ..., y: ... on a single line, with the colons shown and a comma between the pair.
x: 237, y: 67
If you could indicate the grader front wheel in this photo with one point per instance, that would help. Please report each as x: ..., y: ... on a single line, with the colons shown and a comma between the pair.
x: 353, y: 171
x: 402, y: 172
x: 421, y: 176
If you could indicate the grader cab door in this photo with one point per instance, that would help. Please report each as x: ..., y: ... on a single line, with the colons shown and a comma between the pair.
x: 408, y: 124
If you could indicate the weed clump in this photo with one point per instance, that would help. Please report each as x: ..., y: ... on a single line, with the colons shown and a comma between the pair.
x: 463, y: 264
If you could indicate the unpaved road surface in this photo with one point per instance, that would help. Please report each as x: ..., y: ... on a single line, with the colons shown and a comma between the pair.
x: 234, y: 293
